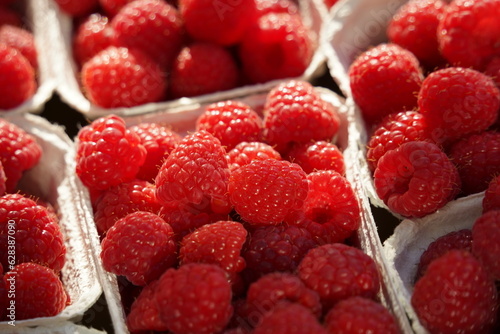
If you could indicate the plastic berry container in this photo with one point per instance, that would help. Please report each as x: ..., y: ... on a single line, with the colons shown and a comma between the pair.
x: 35, y: 20
x: 53, y: 181
x: 68, y: 82
x: 182, y: 120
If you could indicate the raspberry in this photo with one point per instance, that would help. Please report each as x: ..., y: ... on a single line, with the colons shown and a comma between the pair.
x: 144, y: 314
x: 290, y: 318
x: 276, y: 248
x: 333, y: 204
x: 416, y: 179
x: 455, y: 295
x: 414, y: 27
x: 119, y: 77
x: 295, y: 113
x: 468, y: 32
x: 385, y: 79
x: 223, y: 22
x: 264, y: 7
x: 38, y: 291
x: 196, y: 170
x: 277, y: 46
x: 453, y: 240
x: 264, y: 192
x: 477, y: 158
x: 92, y: 35
x: 202, y: 68
x: 206, y: 311
x: 3, y: 179
x: 108, y: 154
x: 246, y: 152
x: 77, y: 7
x: 338, y: 271
x: 491, y: 200
x: 485, y: 241
x: 37, y: 235
x: 18, y: 82
x: 271, y: 289
x: 122, y: 199
x: 155, y: 27
x: 159, y: 141
x: 232, y: 122
x: 19, y: 151
x: 21, y: 40
x: 139, y: 246
x: 394, y: 130
x: 112, y: 7
x: 493, y: 70
x: 360, y: 315
x: 10, y: 17
x: 458, y: 101
x: 218, y: 243
x: 317, y: 155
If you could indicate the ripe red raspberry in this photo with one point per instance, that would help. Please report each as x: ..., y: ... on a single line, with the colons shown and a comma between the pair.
x: 360, y: 315
x: 38, y: 291
x: 19, y: 151
x: 77, y: 7
x: 144, y: 314
x: 318, y: 155
x: 3, y: 180
x: 477, y: 158
x: 108, y: 154
x: 232, y: 122
x: 218, y: 243
x: 21, y: 40
x: 276, y: 248
x: 491, y: 200
x: 18, y: 82
x: 121, y: 77
x: 468, y: 32
x: 265, y: 7
x: 385, y: 79
x: 246, y: 152
x: 152, y: 26
x: 37, y: 234
x: 118, y: 201
x: 271, y: 289
x: 195, y: 171
x: 158, y: 141
x: 206, y: 311
x: 331, y: 207
x: 223, y: 22
x: 295, y: 113
x: 414, y: 27
x: 458, y: 101
x: 112, y: 7
x: 453, y: 240
x: 338, y: 271
x: 394, y: 130
x: 278, y: 46
x: 264, y: 192
x: 203, y: 68
x: 9, y: 16
x: 485, y: 241
x: 455, y: 295
x: 290, y: 318
x: 92, y: 35
x: 416, y: 179
x: 493, y: 70
x: 139, y: 246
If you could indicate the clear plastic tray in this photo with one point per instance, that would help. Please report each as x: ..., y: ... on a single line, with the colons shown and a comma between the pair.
x: 67, y: 75
x: 37, y: 20
x: 53, y: 180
